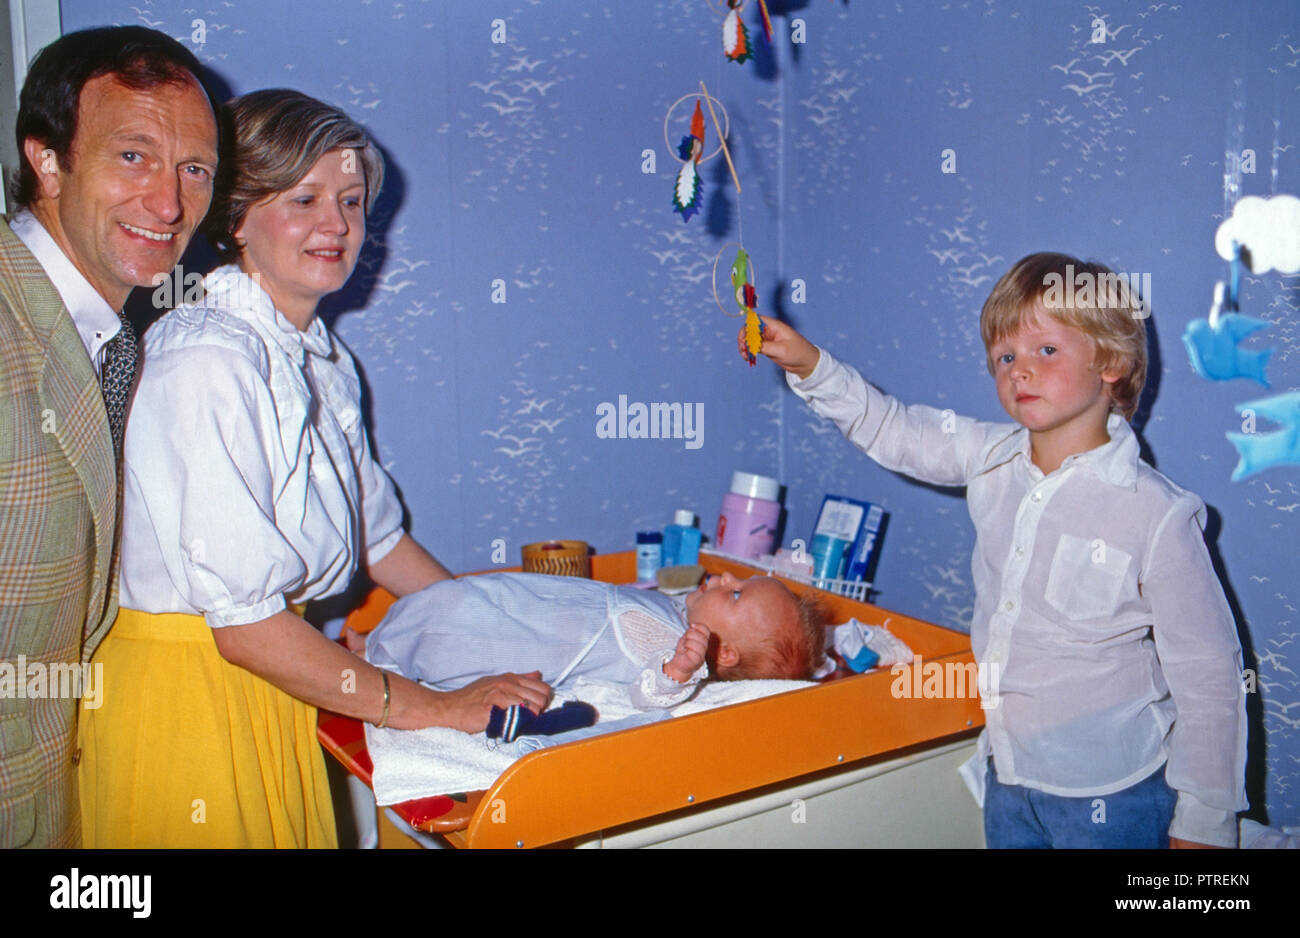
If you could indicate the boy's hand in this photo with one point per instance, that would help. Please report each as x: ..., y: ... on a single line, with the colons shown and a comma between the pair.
x: 784, y: 346
x: 691, y: 648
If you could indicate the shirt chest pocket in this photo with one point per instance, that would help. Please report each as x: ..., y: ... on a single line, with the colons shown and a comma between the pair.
x: 1086, y: 577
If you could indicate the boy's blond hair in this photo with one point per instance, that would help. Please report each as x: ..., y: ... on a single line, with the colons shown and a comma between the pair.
x: 1114, y: 319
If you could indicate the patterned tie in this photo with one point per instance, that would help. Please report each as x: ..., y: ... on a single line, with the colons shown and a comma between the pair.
x: 115, y: 381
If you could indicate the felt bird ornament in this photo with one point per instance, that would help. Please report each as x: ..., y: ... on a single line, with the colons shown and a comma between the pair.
x: 1212, y: 344
x: 735, y: 37
x: 688, y: 191
x: 747, y: 300
x: 1214, y: 351
x: 1260, y: 451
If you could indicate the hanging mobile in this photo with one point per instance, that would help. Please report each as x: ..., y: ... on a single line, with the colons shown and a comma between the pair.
x: 735, y: 37
x: 688, y: 186
x: 736, y: 44
x: 766, y: 21
x: 742, y: 271
x: 747, y: 300
x: 742, y: 285
x: 1213, y: 344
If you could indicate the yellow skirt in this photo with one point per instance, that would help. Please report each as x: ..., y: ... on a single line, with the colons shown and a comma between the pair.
x: 188, y: 750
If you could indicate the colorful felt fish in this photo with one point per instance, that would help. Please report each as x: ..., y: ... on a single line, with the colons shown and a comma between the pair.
x: 688, y: 190
x: 735, y: 37
x: 1260, y: 451
x: 747, y: 300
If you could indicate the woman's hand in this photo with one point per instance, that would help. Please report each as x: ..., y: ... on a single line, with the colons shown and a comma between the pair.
x: 691, y: 648
x: 468, y: 709
x: 785, y: 346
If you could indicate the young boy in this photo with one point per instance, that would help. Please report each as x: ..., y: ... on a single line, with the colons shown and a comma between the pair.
x: 456, y: 631
x: 1120, y: 720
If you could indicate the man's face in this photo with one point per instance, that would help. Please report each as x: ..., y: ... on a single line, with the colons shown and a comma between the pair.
x: 139, y: 182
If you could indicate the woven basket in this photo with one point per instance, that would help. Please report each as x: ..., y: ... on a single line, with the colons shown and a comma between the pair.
x: 558, y: 558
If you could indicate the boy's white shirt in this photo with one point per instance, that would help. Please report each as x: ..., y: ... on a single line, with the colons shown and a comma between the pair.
x: 1095, y: 601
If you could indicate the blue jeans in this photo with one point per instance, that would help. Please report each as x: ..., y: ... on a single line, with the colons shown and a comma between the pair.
x: 1136, y: 818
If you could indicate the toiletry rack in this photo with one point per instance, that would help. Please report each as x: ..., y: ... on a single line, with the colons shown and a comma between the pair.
x: 857, y: 590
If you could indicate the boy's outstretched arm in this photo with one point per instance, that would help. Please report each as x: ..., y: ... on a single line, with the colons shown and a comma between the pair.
x: 784, y: 346
x: 934, y: 446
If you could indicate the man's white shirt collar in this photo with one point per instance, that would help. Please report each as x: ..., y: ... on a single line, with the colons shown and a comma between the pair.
x: 97, y: 322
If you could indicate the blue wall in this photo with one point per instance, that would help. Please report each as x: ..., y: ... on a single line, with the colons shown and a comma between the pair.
x: 522, y: 162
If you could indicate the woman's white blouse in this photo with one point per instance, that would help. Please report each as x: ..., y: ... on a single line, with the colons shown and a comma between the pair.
x: 248, y: 476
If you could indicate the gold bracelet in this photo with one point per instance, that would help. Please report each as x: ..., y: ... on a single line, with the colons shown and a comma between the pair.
x: 388, y: 699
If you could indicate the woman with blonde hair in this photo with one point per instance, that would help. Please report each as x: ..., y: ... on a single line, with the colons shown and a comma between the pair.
x: 249, y: 489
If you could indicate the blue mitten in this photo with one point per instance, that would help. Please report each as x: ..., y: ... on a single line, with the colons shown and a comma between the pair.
x: 864, y: 660
x: 508, y: 724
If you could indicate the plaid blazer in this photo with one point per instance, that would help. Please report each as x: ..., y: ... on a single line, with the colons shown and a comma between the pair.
x: 58, y: 519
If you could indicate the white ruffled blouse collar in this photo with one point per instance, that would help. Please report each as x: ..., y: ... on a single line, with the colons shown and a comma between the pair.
x: 230, y: 289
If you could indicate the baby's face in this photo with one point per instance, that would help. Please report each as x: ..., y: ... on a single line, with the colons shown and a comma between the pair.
x: 738, y: 611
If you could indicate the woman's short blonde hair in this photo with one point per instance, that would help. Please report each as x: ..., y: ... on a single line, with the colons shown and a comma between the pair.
x: 1109, y: 313
x: 270, y: 140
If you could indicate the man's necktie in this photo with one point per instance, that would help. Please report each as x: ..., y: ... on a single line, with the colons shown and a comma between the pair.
x: 115, y: 380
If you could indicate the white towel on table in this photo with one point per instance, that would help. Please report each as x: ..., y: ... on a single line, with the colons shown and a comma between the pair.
x: 437, y: 761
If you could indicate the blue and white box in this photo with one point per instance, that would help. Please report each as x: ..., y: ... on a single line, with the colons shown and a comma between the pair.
x: 857, y: 522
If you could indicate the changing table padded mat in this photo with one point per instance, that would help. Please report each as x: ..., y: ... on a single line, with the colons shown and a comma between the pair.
x: 562, y: 792
x: 344, y: 738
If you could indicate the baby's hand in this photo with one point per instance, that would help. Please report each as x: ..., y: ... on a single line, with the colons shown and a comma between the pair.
x: 691, y: 648
x: 784, y: 346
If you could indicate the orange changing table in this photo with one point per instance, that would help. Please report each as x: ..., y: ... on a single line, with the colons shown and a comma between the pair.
x: 843, y: 763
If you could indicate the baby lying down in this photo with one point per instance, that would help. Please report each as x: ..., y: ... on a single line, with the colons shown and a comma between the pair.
x: 657, y: 647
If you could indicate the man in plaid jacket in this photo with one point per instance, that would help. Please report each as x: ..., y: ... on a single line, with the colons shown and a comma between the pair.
x: 119, y: 146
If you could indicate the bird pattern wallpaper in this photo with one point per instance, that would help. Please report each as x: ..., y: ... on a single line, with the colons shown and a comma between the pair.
x: 525, y: 269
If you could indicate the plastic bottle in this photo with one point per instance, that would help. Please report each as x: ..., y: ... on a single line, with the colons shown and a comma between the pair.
x: 649, y: 555
x: 682, y: 540
x: 750, y: 514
